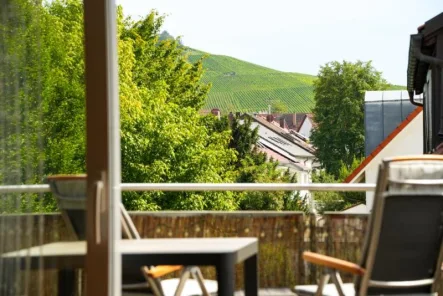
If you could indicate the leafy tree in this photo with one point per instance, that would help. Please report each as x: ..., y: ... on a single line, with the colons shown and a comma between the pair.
x: 31, y: 55
x: 333, y: 200
x: 326, y: 200
x: 253, y: 167
x: 64, y: 96
x: 279, y: 107
x: 163, y: 137
x: 338, y: 112
x: 244, y: 140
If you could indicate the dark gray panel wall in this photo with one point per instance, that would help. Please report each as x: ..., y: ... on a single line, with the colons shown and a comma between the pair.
x: 381, y: 119
x: 391, y: 116
x: 373, y: 125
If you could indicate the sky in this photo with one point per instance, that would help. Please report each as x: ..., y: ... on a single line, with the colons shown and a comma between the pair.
x: 297, y: 36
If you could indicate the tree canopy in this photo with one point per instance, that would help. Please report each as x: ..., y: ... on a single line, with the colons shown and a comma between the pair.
x: 333, y: 200
x: 163, y: 137
x: 338, y: 112
x: 278, y: 107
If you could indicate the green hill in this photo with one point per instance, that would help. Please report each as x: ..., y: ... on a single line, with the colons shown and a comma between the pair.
x: 241, y: 86
x: 397, y: 87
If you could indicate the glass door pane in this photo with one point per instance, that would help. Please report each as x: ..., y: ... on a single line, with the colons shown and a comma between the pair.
x: 42, y: 133
x: 58, y: 116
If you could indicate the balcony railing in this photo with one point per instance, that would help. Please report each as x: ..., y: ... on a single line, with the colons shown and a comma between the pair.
x: 283, y: 236
x: 209, y: 187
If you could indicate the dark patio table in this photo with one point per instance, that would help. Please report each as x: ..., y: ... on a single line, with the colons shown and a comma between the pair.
x: 223, y: 253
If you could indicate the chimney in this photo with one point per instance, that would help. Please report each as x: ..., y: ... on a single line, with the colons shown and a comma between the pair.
x: 269, y: 118
x: 230, y: 117
x: 283, y: 123
x: 216, y: 112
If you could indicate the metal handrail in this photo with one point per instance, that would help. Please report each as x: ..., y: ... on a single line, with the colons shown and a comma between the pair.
x: 25, y: 188
x: 245, y: 187
x: 208, y: 187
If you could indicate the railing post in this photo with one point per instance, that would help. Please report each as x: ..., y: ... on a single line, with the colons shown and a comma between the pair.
x: 301, y: 228
x: 313, y: 276
x: 329, y: 243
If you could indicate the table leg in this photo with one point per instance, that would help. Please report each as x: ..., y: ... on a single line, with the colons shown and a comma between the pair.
x: 251, y: 278
x: 66, y: 282
x: 226, y: 276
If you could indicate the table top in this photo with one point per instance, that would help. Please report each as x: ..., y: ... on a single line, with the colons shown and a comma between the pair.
x: 72, y: 253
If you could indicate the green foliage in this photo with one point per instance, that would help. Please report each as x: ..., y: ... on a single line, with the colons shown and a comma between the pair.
x: 241, y: 86
x: 253, y: 167
x: 279, y: 107
x: 64, y: 98
x: 326, y: 200
x: 244, y: 139
x: 333, y: 200
x: 40, y: 70
x: 396, y: 87
x: 267, y: 172
x: 163, y: 137
x: 338, y: 112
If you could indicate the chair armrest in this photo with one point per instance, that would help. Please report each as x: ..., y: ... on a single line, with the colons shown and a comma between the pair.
x: 160, y: 270
x: 333, y: 263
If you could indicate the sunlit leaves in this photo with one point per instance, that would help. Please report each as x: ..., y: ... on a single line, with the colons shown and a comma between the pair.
x: 339, y: 98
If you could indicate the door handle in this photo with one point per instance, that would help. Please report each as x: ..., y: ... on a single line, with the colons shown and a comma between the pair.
x: 98, y: 210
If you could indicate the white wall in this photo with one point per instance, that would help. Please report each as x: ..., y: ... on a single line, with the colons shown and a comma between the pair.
x: 408, y: 142
x: 305, y: 128
x: 303, y: 177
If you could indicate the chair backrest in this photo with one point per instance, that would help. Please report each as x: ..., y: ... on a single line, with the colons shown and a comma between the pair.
x: 70, y: 193
x: 403, y: 249
x: 128, y: 228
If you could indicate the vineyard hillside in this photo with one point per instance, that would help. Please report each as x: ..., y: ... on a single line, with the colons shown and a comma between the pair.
x: 241, y: 86
x: 245, y: 87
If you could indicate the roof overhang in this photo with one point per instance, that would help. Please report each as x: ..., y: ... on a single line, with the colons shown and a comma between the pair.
x: 422, y: 54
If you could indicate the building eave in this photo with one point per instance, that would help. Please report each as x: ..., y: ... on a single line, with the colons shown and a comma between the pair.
x: 417, y: 70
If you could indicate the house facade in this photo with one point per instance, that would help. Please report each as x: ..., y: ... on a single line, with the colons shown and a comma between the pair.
x: 405, y: 139
x: 425, y: 77
x: 279, y: 143
x: 422, y: 130
x: 307, y: 125
x: 383, y: 113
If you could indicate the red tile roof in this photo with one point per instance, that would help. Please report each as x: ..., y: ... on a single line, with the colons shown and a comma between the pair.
x: 383, y: 144
x: 274, y: 155
x: 285, y: 134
